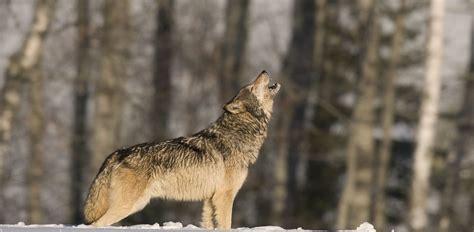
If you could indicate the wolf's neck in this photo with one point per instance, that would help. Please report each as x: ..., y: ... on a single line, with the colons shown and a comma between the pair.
x: 242, y: 125
x: 239, y: 135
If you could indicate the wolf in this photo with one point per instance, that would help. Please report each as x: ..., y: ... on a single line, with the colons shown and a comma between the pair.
x: 209, y: 166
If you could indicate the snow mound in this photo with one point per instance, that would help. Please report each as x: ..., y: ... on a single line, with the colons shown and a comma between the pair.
x: 365, y: 227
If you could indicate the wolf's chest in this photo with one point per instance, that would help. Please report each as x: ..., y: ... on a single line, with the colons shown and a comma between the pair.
x: 189, y: 183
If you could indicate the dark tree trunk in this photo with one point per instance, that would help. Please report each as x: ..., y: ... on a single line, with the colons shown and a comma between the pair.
x: 388, y: 116
x: 354, y: 205
x: 280, y: 190
x: 298, y: 70
x: 80, y: 152
x: 114, y: 44
x: 303, y: 147
x: 35, y: 168
x: 162, y: 68
x: 233, y: 47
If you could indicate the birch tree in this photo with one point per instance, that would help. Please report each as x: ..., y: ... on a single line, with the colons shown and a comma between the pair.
x: 427, y: 119
x: 20, y: 69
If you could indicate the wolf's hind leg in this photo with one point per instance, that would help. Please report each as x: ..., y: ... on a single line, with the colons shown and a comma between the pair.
x: 208, y: 214
x: 127, y: 195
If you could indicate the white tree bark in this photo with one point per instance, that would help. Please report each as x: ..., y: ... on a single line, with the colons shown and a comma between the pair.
x: 428, y: 119
x: 19, y: 69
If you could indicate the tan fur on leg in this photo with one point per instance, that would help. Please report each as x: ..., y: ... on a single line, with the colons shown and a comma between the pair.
x: 208, y: 215
x: 223, y: 202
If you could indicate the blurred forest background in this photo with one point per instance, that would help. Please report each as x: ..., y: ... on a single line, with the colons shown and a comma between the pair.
x: 374, y: 122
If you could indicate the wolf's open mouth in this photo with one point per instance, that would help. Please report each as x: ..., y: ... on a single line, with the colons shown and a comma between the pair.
x: 274, y: 86
x: 274, y: 89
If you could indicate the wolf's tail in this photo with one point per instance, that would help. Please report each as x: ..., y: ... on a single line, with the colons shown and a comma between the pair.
x: 97, y: 200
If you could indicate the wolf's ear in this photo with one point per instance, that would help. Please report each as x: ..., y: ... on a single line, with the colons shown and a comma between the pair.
x: 235, y: 107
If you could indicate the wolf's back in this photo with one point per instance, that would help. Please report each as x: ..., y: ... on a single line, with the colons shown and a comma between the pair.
x: 97, y: 200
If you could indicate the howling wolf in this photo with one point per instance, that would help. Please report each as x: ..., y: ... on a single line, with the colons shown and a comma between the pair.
x: 208, y: 166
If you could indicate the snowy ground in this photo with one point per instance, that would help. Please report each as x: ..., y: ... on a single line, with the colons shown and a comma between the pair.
x: 168, y: 226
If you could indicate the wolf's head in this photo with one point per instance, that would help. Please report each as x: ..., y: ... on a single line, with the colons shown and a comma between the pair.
x: 255, y: 98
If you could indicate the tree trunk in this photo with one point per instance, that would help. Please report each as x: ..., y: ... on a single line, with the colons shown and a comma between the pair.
x: 387, y: 119
x: 451, y: 219
x: 35, y: 169
x: 162, y: 68
x: 298, y: 70
x: 428, y: 118
x: 303, y: 147
x: 466, y: 143
x: 114, y: 43
x: 19, y: 70
x: 280, y: 191
x: 80, y: 152
x: 354, y: 206
x: 233, y: 46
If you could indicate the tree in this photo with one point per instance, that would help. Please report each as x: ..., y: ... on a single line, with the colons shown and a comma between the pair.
x: 458, y: 161
x: 114, y: 42
x: 35, y: 169
x: 23, y: 67
x: 79, y: 146
x: 233, y: 46
x: 298, y: 71
x: 388, y: 118
x: 303, y: 146
x: 163, y: 58
x: 354, y: 205
x: 427, y: 119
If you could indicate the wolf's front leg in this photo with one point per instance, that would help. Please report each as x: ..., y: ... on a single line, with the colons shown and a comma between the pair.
x: 208, y: 215
x: 223, y: 202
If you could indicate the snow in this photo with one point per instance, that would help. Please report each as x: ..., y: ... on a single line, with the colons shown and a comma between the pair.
x: 366, y: 227
x: 167, y: 226
x: 267, y: 228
